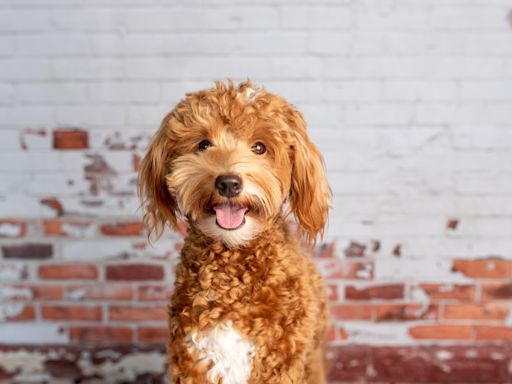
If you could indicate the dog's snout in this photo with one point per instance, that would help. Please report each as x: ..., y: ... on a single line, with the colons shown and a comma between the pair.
x: 228, y: 185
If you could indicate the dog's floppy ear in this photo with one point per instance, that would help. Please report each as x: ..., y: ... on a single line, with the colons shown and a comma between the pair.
x: 309, y: 190
x: 158, y: 204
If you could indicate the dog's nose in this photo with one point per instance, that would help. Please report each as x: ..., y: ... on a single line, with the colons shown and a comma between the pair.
x: 228, y: 185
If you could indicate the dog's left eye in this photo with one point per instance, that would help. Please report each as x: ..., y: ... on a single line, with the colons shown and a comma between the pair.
x: 259, y: 148
x: 204, y: 145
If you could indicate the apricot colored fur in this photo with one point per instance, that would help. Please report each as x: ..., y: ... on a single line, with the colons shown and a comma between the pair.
x: 268, y: 289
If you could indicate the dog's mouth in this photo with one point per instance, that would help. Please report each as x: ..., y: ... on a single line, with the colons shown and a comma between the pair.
x: 230, y: 216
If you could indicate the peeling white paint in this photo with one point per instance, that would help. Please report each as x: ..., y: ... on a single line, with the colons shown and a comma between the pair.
x: 10, y: 310
x: 444, y: 355
x: 32, y: 333
x: 10, y: 230
x: 78, y: 230
x: 15, y: 293
x: 23, y: 361
x: 125, y: 369
x: 11, y: 271
x: 377, y: 334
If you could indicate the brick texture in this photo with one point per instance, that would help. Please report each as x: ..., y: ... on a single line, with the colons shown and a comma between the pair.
x: 409, y: 102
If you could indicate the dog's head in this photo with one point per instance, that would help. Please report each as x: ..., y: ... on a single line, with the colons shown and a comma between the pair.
x: 230, y: 160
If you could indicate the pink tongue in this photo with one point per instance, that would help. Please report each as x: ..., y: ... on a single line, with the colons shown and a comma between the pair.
x: 229, y: 216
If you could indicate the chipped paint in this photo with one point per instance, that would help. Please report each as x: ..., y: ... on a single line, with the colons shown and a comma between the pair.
x: 444, y: 355
x: 22, y: 361
x: 15, y: 293
x: 100, y: 174
x: 126, y: 368
x: 80, y: 230
x: 10, y: 310
x: 11, y: 230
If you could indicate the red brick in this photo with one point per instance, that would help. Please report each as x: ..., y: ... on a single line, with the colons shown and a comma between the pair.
x: 68, y: 271
x: 405, y: 312
x: 325, y: 251
x: 461, y: 292
x: 70, y: 139
x: 54, y: 204
x: 71, y: 313
x: 136, y: 161
x: 101, y: 335
x: 332, y: 292
x: 355, y: 249
x: 441, y: 332
x: 34, y: 292
x: 132, y: 228
x: 135, y: 272
x: 488, y: 311
x: 494, y: 333
x: 351, y: 311
x: 12, y: 228
x: 135, y: 314
x: 490, y: 268
x: 386, y: 292
x: 155, y: 292
x: 99, y: 292
x: 158, y: 335
x: 60, y: 228
x: 27, y: 314
x: 497, y: 291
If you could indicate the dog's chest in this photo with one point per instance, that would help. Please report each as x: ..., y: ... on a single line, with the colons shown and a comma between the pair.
x: 228, y: 352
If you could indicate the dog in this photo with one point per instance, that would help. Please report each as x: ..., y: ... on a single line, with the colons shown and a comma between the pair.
x: 234, y: 161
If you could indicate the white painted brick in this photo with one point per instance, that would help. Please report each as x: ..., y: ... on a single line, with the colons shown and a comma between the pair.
x: 331, y: 43
x: 88, y: 115
x: 469, y: 18
x: 396, y: 90
x: 488, y: 43
x: 24, y: 20
x: 482, y: 183
x: 486, y: 90
x: 30, y: 333
x: 481, y: 137
x: 28, y: 115
x: 122, y: 92
x: 6, y: 93
x: 353, y: 90
x: 52, y: 45
x: 25, y: 69
x: 379, y: 114
x: 387, y: 17
x: 261, y: 43
x: 200, y: 18
x: 88, y: 69
x: 51, y: 92
x: 333, y: 17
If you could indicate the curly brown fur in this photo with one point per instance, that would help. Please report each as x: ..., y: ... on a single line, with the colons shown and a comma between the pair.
x: 242, y: 280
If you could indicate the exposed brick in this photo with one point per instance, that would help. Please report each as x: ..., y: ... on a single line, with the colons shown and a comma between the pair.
x: 54, y: 204
x: 351, y: 311
x: 345, y: 269
x: 496, y: 291
x: 32, y: 292
x: 27, y: 313
x: 136, y: 161
x: 61, y: 228
x: 30, y: 251
x: 348, y: 364
x: 136, y: 314
x: 467, y: 311
x: 70, y: 139
x: 99, y: 292
x: 460, y: 292
x: 332, y: 292
x: 355, y: 250
x: 12, y: 228
x: 452, y: 224
x: 493, y: 333
x: 441, y: 332
x: 101, y: 335
x: 405, y: 312
x: 153, y: 335
x: 135, y: 272
x: 483, y: 268
x: 71, y: 313
x: 133, y: 228
x: 155, y: 292
x: 325, y: 250
x: 387, y: 292
x: 68, y: 271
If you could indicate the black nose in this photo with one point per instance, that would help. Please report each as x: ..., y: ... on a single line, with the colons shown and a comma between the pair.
x: 228, y: 185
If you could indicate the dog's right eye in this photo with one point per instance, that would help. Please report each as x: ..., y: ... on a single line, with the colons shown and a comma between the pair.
x: 204, y: 145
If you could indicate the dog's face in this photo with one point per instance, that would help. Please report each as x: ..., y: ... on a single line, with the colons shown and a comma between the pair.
x: 228, y: 159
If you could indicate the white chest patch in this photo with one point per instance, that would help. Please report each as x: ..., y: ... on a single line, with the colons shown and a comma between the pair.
x: 230, y: 353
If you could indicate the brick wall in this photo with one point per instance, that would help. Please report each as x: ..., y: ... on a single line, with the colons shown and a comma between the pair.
x: 409, y: 100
